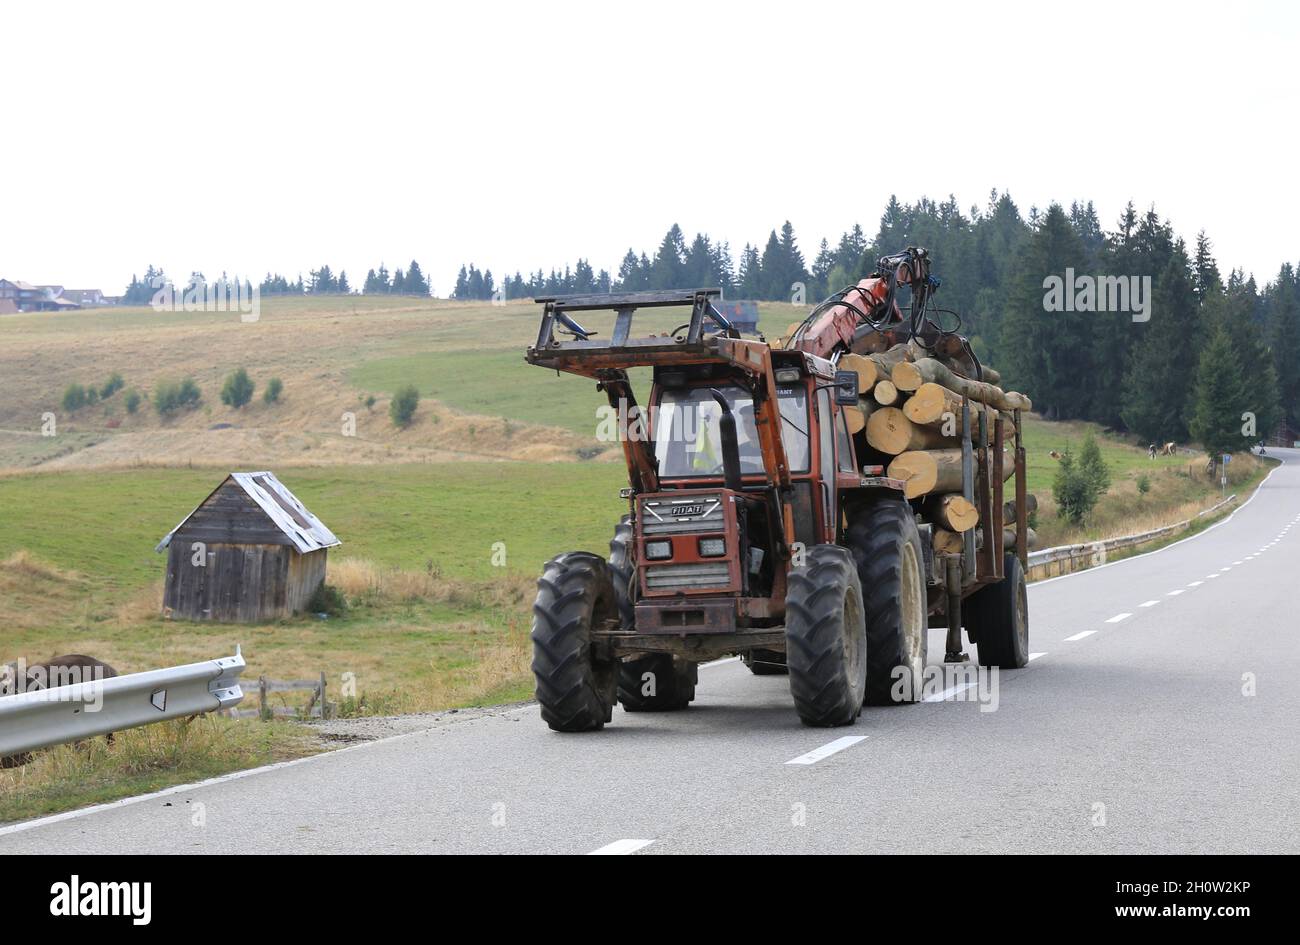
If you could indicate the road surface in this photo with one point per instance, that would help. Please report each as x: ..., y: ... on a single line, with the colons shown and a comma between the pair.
x: 1160, y: 714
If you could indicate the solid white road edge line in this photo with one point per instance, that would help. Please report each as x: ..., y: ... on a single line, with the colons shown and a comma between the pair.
x: 825, y: 751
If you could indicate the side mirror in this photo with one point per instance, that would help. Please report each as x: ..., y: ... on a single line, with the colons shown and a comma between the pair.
x: 846, y: 388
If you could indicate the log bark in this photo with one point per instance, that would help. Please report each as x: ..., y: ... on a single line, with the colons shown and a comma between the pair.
x: 889, y: 431
x: 946, y: 542
x: 927, y: 471
x: 1009, y: 538
x: 952, y: 512
x: 1009, y: 508
x: 910, y: 375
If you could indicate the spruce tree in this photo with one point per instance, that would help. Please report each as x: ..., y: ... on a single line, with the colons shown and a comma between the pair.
x: 1158, y: 382
x: 1220, y: 397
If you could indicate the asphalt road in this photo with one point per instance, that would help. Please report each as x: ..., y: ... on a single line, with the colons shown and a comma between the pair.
x: 1160, y: 714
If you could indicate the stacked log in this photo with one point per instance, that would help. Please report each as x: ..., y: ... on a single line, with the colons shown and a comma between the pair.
x: 910, y: 401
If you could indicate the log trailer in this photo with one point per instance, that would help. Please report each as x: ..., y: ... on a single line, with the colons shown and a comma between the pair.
x: 763, y: 522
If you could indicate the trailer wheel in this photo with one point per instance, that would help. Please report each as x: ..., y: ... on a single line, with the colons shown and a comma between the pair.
x: 657, y: 682
x: 826, y: 641
x: 622, y: 571
x: 887, y: 548
x: 575, y: 688
x: 766, y: 662
x: 997, y: 619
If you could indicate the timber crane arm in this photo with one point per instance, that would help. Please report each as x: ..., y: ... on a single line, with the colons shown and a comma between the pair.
x: 869, y: 306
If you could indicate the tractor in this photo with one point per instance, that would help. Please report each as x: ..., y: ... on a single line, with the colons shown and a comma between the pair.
x: 760, y: 524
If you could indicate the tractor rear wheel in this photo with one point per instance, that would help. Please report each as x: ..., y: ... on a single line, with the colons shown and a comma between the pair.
x: 656, y: 682
x: 886, y: 547
x: 766, y: 662
x: 575, y: 688
x: 997, y: 619
x: 826, y: 641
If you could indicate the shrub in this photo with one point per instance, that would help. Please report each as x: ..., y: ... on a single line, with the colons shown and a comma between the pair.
x: 132, y: 400
x: 170, y: 396
x: 1093, y: 466
x: 402, y: 407
x: 327, y: 599
x: 74, y: 398
x: 1075, y: 491
x: 111, y: 386
x: 238, y: 389
x: 272, y: 393
x: 1144, y: 484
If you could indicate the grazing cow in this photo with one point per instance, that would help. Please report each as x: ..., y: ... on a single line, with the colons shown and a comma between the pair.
x: 1055, y: 454
x: 60, y: 671
x: 1170, y: 449
x: 1151, y: 451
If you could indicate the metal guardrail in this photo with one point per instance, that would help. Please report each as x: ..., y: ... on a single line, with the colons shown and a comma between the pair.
x: 1066, y: 559
x: 45, y: 717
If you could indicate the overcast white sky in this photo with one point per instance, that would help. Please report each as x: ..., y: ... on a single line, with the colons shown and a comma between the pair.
x: 252, y: 136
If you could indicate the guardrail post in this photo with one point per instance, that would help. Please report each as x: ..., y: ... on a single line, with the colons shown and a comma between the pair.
x: 263, y: 710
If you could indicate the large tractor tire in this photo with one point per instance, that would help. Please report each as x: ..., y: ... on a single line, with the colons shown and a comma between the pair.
x: 656, y: 682
x: 997, y: 619
x: 826, y: 641
x: 886, y: 547
x: 622, y: 572
x: 575, y: 689
x: 766, y: 662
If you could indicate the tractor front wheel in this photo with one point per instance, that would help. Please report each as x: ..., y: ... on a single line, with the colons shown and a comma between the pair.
x: 826, y: 640
x: 575, y: 688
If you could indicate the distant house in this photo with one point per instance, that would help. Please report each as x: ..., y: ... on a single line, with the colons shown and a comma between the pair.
x: 250, y: 552
x: 45, y: 298
x: 25, y: 296
x: 85, y: 297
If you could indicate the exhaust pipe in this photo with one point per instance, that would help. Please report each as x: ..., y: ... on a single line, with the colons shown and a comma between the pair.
x: 730, y: 443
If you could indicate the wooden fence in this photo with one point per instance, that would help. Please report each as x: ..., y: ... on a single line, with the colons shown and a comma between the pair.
x: 317, y: 707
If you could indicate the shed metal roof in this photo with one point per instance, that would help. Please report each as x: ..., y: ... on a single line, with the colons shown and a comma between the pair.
x: 304, y: 530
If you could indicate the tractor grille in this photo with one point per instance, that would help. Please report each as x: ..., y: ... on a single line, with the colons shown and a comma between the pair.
x: 672, y: 577
x: 697, y: 512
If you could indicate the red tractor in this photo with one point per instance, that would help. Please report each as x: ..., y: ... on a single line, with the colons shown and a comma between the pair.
x: 758, y: 524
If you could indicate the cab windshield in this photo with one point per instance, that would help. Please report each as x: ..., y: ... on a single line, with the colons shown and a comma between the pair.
x: 686, y: 431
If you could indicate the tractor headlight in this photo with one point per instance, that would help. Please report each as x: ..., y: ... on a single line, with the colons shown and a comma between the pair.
x: 713, y: 547
x: 658, y: 550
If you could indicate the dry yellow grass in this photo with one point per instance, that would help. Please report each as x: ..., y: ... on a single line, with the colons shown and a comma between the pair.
x: 311, y: 344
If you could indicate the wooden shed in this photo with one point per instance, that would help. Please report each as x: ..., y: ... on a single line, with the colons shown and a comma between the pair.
x: 251, y: 551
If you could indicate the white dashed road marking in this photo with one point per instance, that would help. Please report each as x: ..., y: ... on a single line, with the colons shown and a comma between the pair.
x: 1148, y: 603
x: 1080, y: 636
x: 620, y: 847
x: 948, y: 693
x: 1034, y: 656
x: 1118, y: 617
x: 830, y: 748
